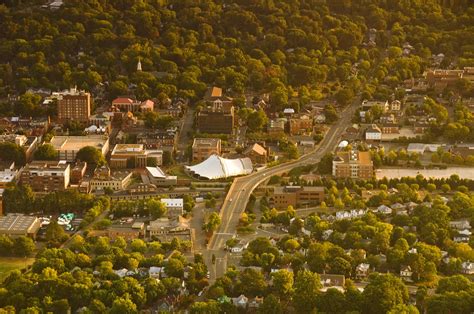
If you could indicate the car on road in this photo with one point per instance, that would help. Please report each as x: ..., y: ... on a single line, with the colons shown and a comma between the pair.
x: 208, y: 275
x: 230, y: 200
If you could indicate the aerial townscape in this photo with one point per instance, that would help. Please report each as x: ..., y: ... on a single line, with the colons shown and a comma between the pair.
x: 236, y: 156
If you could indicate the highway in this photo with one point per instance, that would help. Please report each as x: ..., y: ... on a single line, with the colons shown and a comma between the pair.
x: 242, y: 187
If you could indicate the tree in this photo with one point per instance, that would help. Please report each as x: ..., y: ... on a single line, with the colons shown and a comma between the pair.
x: 212, y: 223
x: 23, y: 246
x: 330, y: 113
x: 282, y: 283
x: 12, y: 152
x: 306, y: 287
x: 383, y: 293
x: 271, y: 305
x: 156, y: 208
x: 46, y: 152
x: 325, y: 164
x: 211, y: 307
x: 55, y: 233
x: 138, y: 245
x: 123, y: 305
x: 333, y: 301
x: 91, y: 155
x: 257, y: 120
x: 344, y: 96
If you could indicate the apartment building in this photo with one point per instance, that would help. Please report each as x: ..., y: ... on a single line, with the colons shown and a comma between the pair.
x: 134, y: 156
x: 353, y: 164
x: 205, y: 147
x: 74, y: 105
x: 46, y: 176
x: 283, y: 197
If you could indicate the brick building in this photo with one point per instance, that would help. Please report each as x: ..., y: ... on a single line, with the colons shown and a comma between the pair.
x: 74, y: 106
x: 46, y: 176
x: 218, y: 116
x: 295, y: 196
x: 353, y: 164
x: 134, y: 156
x: 205, y: 147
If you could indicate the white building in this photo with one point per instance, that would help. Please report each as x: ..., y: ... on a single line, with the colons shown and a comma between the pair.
x: 373, y: 133
x: 174, y: 206
x: 68, y: 146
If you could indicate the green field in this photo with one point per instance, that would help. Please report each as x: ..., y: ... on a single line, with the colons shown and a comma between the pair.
x: 8, y: 264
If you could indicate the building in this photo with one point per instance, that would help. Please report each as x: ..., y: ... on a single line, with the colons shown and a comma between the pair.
x: 389, y: 128
x: 218, y: 116
x: 203, y: 148
x: 373, y: 133
x: 395, y: 105
x: 74, y: 105
x: 216, y: 167
x: 126, y: 228
x: 406, y: 273
x: 165, y: 229
x: 460, y: 224
x: 353, y: 164
x: 440, y: 79
x: 367, y: 105
x: 257, y: 153
x: 78, y: 172
x: 467, y: 268
x: 68, y: 146
x: 134, y: 156
x: 362, y: 270
x: 8, y: 174
x: 17, y: 225
x: 301, y: 125
x: 28, y: 143
x: 283, y: 197
x: 332, y: 281
x: 159, y: 178
x: 105, y: 179
x: 276, y: 126
x: 165, y: 140
x: 126, y: 104
x: 46, y: 176
x: 174, y: 206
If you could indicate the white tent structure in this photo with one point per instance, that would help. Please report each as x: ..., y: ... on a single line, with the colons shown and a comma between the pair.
x: 216, y: 167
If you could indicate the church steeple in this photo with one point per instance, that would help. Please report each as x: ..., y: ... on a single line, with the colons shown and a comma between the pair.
x: 139, y: 65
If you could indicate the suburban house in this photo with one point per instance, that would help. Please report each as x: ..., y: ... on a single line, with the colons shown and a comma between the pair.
x: 406, y: 273
x: 362, y: 270
x: 257, y: 153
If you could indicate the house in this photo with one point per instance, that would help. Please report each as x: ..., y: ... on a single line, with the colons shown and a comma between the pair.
x: 276, y: 126
x: 460, y: 224
x: 465, y: 232
x: 241, y: 301
x: 406, y: 273
x: 362, y: 270
x: 332, y: 280
x: 320, y: 118
x: 413, y: 250
x: 467, y: 268
x: 155, y: 272
x: 165, y: 229
x: 373, y: 133
x: 257, y: 153
x: 395, y: 105
x: 255, y: 302
x: 383, y: 209
x: 367, y: 105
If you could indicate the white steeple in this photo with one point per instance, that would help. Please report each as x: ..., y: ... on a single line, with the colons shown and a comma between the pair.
x: 139, y: 65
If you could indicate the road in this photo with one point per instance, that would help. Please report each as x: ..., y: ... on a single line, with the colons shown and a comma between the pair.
x: 242, y: 187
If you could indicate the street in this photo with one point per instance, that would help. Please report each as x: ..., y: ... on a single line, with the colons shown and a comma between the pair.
x: 242, y: 187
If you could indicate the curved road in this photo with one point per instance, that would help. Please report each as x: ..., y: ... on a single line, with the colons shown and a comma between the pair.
x: 242, y: 187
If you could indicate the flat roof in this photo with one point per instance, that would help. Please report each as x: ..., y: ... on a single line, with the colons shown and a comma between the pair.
x: 78, y: 142
x: 173, y: 202
x: 16, y: 223
x: 365, y: 158
x: 206, y: 142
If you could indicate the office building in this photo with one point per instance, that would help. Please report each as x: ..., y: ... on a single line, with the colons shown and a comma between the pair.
x: 218, y: 116
x: 353, y: 164
x: 295, y: 196
x: 134, y: 156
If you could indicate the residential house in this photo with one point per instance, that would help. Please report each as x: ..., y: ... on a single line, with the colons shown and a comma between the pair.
x: 395, y: 105
x: 460, y: 224
x: 383, y: 209
x: 406, y: 273
x: 241, y: 301
x: 255, y: 303
x: 332, y: 281
x: 165, y: 229
x: 301, y: 125
x: 276, y: 126
x: 362, y: 270
x: 367, y: 105
x: 467, y: 268
x: 257, y: 153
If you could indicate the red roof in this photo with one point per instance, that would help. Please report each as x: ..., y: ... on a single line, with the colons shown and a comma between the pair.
x: 122, y: 100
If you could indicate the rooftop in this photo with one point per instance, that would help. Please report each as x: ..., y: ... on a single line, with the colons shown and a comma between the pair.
x: 78, y: 142
x: 12, y: 223
x: 206, y: 142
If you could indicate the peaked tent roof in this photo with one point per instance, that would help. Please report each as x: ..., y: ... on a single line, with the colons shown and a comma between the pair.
x: 216, y: 167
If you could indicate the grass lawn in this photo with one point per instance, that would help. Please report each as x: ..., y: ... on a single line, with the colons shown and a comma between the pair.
x: 8, y: 264
x: 178, y: 171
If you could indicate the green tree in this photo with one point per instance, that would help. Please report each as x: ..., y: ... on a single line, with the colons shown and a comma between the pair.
x: 123, y: 305
x: 46, y: 152
x: 383, y: 293
x: 23, y: 246
x: 156, y: 208
x: 282, y: 283
x: 55, y: 233
x: 91, y: 155
x: 306, y: 290
x: 212, y: 222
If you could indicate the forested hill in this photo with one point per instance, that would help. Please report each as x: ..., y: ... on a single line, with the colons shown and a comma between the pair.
x: 310, y: 46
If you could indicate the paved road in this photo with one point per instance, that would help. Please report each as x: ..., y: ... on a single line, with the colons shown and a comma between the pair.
x: 242, y: 187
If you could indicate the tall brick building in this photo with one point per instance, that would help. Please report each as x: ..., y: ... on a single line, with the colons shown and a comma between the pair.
x: 46, y: 176
x: 218, y: 116
x: 353, y: 164
x: 74, y: 106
